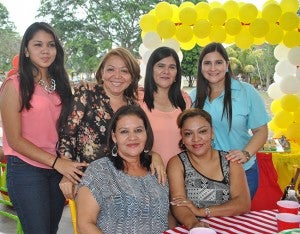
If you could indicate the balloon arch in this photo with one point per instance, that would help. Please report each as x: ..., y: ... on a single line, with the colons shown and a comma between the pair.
x: 184, y: 26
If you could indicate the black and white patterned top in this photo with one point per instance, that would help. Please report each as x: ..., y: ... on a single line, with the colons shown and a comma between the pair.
x: 128, y: 204
x: 203, y: 191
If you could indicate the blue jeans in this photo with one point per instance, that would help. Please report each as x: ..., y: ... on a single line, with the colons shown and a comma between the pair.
x: 252, y: 178
x: 35, y: 195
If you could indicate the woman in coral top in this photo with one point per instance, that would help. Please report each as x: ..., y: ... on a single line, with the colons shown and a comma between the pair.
x: 34, y: 105
x: 163, y: 100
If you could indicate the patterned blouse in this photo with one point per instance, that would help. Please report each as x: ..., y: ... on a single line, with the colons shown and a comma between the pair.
x: 128, y: 204
x: 205, y: 192
x: 84, y: 137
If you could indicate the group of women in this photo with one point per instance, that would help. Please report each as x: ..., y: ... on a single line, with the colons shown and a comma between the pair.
x: 120, y: 132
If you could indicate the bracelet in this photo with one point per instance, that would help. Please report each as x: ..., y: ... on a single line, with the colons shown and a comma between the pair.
x: 247, y: 154
x: 207, y: 212
x: 54, y: 162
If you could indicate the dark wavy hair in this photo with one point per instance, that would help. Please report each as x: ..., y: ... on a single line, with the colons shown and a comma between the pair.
x: 150, y: 86
x: 190, y: 113
x: 131, y: 63
x: 56, y: 70
x: 203, y: 89
x: 133, y: 110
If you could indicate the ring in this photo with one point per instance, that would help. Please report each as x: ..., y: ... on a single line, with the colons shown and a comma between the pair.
x: 184, y: 201
x: 165, y: 173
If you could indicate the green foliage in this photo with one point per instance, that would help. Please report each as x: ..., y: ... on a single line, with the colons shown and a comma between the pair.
x: 189, y: 64
x: 9, y: 42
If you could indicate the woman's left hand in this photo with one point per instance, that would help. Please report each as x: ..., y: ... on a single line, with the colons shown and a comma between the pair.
x: 182, y: 201
x: 157, y: 166
x: 236, y: 156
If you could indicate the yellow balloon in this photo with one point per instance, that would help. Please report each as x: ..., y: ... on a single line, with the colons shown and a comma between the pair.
x: 215, y: 4
x: 259, y: 40
x: 271, y: 12
x: 279, y: 133
x: 229, y: 39
x: 186, y: 4
x: 202, y: 41
x: 217, y: 34
x: 166, y: 29
x: 290, y: 102
x: 293, y: 132
x: 297, y: 116
x: 233, y: 26
x: 217, y: 16
x: 184, y: 33
x: 202, y: 28
x: 259, y: 27
x: 289, y: 5
x: 275, y: 106
x: 291, y: 39
x: 247, y: 13
x: 163, y: 10
x: 244, y: 39
x: 188, y: 45
x: 289, y: 21
x: 272, y: 126
x: 188, y: 15
x: 148, y: 23
x: 175, y: 17
x: 232, y: 8
x: 202, y: 9
x: 275, y: 34
x: 283, y: 119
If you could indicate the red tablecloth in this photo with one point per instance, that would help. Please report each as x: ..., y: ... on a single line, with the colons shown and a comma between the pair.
x: 254, y: 222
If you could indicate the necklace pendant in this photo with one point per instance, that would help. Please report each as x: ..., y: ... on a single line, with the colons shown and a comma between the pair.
x: 48, y: 88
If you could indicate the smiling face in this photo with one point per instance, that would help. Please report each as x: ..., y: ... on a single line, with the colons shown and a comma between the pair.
x: 130, y: 136
x: 116, y: 76
x: 214, y: 67
x: 41, y: 50
x: 164, y: 72
x: 197, y: 134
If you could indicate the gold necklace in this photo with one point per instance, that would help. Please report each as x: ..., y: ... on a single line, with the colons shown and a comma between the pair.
x: 48, y: 88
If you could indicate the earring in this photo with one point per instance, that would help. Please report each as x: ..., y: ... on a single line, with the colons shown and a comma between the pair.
x: 114, y: 151
x: 212, y: 143
x: 227, y: 70
x: 146, y: 151
x: 182, y: 145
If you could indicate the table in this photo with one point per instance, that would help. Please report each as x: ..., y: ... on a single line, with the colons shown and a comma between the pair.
x: 286, y: 165
x: 254, y: 222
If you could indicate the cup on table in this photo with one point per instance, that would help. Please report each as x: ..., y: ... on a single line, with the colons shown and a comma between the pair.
x: 285, y: 206
x: 287, y: 221
x: 202, y: 230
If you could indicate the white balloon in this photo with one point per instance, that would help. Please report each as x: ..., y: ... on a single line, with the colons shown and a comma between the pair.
x: 298, y: 73
x: 180, y: 55
x: 277, y: 78
x: 281, y: 52
x: 289, y: 85
x: 172, y: 43
x: 151, y: 40
x: 294, y: 55
x: 274, y: 91
x: 146, y: 56
x: 284, y: 68
x: 142, y: 49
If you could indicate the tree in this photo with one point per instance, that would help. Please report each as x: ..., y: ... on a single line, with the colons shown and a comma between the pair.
x: 89, y: 28
x: 9, y: 42
x: 189, y: 64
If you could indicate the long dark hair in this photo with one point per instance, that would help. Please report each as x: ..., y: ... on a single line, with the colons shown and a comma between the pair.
x: 134, y: 110
x: 56, y: 70
x: 203, y: 89
x: 150, y: 86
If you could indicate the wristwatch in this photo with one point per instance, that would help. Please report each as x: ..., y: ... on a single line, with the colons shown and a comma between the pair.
x: 247, y: 154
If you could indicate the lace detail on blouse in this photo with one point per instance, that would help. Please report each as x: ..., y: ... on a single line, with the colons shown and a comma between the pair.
x: 205, y: 192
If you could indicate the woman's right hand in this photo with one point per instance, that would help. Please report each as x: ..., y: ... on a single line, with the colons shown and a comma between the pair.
x: 71, y: 170
x: 68, y: 188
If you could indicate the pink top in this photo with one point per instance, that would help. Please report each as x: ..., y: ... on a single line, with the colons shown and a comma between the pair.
x: 38, y: 123
x: 165, y: 130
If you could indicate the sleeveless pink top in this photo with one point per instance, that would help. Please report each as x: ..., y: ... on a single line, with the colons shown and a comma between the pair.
x: 38, y: 123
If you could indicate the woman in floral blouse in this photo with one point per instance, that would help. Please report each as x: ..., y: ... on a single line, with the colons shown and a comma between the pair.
x: 84, y: 137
